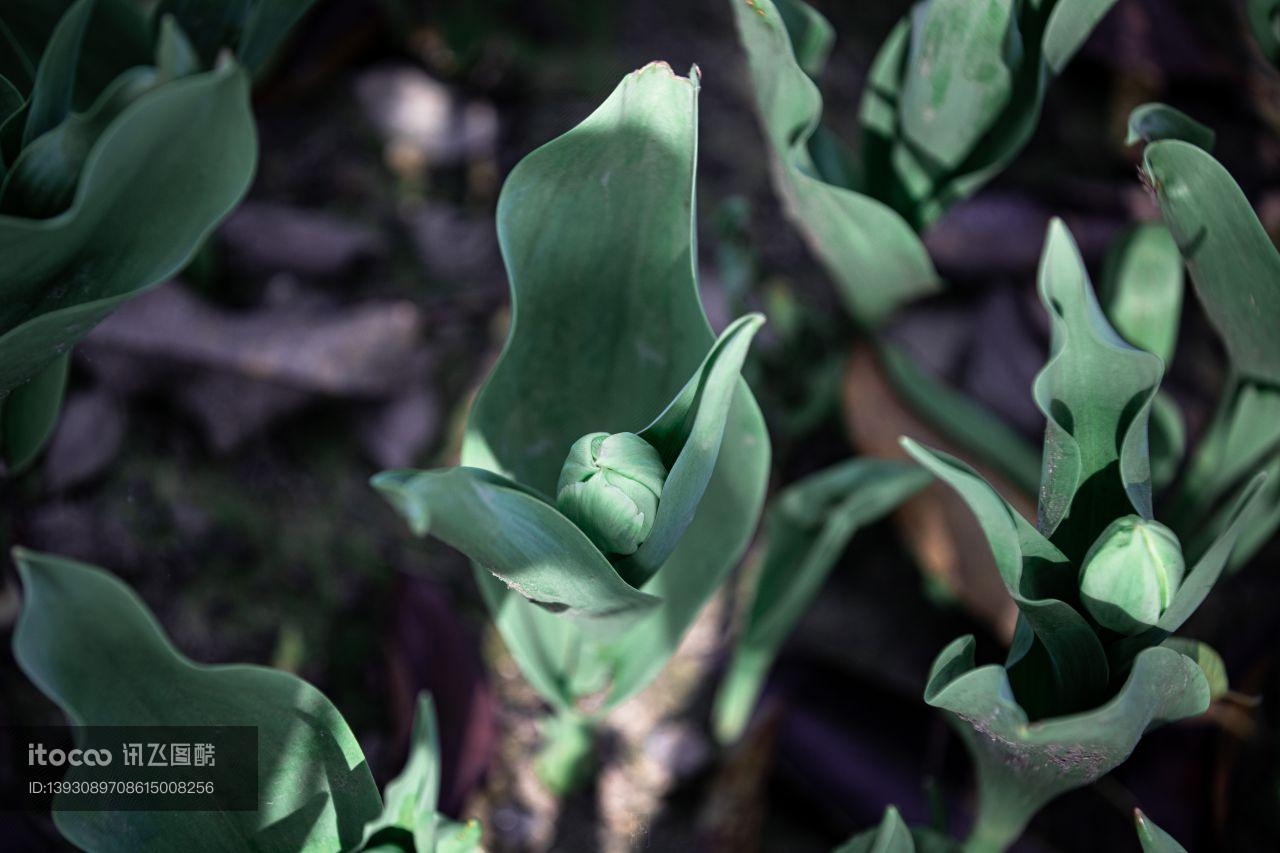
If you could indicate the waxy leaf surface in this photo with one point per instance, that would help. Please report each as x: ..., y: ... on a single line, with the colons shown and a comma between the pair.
x: 90, y: 645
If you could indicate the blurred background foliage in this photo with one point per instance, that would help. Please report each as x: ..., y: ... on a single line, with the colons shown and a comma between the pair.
x: 219, y: 432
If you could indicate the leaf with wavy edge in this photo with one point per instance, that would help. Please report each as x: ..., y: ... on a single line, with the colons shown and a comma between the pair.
x: 1041, y: 581
x: 1035, y: 47
x: 64, y: 275
x: 1022, y: 765
x: 1234, y: 266
x: 807, y: 528
x: 91, y: 646
x: 521, y: 539
x: 596, y: 229
x: 1141, y: 293
x: 518, y: 535
x: 872, y: 253
x: 1095, y: 391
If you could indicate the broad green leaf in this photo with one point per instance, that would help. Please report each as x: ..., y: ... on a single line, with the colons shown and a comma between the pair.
x: 520, y: 538
x: 687, y: 435
x: 596, y: 232
x: 90, y: 645
x: 51, y: 95
x: 1233, y: 263
x: 139, y: 213
x: 1153, y: 122
x: 1141, y: 289
x: 959, y: 76
x: 1141, y: 293
x: 1095, y: 392
x: 807, y: 528
x: 30, y: 413
x: 1004, y: 79
x: 1068, y: 25
x: 1153, y: 838
x: 876, y: 260
x: 963, y: 420
x: 1022, y: 765
x: 1041, y: 582
x: 812, y: 35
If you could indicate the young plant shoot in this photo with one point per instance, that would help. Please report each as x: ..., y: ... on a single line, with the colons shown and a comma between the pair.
x: 614, y: 463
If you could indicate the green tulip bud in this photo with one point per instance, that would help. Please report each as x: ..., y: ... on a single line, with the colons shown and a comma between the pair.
x: 1130, y: 574
x: 609, y: 487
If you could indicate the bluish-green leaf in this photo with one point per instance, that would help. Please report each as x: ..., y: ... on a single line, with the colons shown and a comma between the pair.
x: 519, y: 537
x: 596, y: 232
x: 91, y: 646
x: 1022, y: 765
x: 1152, y: 838
x: 139, y: 213
x: 1234, y: 266
x: 1153, y: 122
x: 51, y: 95
x: 1068, y: 25
x: 30, y: 413
x: 959, y: 75
x: 1095, y: 392
x: 876, y: 260
x: 1041, y: 582
x: 807, y: 528
x: 1141, y: 289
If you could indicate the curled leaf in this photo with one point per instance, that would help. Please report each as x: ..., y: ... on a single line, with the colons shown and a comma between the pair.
x: 1022, y: 765
x: 91, y: 646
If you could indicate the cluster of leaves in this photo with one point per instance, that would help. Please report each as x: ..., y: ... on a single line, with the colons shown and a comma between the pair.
x: 125, y: 137
x: 608, y: 335
x: 91, y: 645
x: 614, y: 463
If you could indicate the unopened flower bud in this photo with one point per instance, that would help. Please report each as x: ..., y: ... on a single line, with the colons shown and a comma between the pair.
x: 1130, y: 574
x: 609, y: 487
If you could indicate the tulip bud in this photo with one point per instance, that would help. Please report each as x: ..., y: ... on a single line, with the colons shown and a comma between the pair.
x: 1130, y: 574
x: 609, y: 487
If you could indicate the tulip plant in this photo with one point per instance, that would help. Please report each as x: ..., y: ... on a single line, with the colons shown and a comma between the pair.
x: 124, y: 139
x: 614, y: 463
x: 90, y: 644
x: 1101, y: 586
